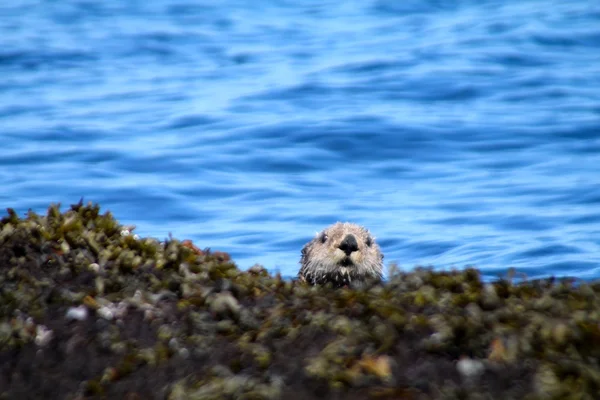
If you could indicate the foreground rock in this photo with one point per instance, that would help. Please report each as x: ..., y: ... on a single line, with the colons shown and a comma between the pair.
x: 89, y: 310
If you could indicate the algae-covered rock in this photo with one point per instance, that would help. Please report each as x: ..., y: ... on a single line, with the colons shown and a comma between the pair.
x: 90, y: 310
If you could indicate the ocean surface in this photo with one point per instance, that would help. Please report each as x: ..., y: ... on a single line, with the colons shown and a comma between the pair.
x: 459, y: 132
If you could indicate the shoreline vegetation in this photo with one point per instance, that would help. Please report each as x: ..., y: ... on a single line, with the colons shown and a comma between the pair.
x: 89, y: 310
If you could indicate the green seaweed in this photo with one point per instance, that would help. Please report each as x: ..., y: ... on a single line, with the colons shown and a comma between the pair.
x: 166, y: 319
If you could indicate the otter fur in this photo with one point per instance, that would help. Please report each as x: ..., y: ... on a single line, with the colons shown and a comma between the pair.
x: 343, y: 254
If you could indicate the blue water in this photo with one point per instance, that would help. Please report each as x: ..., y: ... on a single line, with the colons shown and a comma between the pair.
x: 460, y: 132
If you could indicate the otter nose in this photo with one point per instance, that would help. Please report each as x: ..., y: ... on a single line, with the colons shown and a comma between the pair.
x: 349, y: 244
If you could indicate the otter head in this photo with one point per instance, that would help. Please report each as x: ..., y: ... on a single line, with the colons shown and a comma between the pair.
x: 343, y: 254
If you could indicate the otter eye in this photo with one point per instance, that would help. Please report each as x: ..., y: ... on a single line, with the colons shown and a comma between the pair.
x: 323, y: 237
x: 369, y: 241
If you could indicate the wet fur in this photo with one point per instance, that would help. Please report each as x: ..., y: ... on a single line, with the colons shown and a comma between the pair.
x: 324, y: 262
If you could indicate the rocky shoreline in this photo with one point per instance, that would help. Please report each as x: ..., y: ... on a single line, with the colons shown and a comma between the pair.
x: 88, y: 310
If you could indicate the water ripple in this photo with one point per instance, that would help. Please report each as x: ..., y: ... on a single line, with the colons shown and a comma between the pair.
x: 461, y: 133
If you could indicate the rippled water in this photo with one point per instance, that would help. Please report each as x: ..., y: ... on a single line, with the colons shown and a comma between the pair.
x: 461, y: 133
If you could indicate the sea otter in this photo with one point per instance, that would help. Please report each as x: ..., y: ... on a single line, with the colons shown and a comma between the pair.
x: 344, y: 254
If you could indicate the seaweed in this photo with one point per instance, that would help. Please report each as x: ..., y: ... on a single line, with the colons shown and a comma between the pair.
x: 88, y: 309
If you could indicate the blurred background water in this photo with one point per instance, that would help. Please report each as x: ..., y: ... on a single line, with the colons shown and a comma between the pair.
x: 459, y: 132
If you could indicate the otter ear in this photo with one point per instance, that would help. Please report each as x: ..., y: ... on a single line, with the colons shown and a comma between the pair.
x: 303, y: 251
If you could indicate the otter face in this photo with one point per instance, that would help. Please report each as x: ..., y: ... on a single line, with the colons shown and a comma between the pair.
x: 344, y: 254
